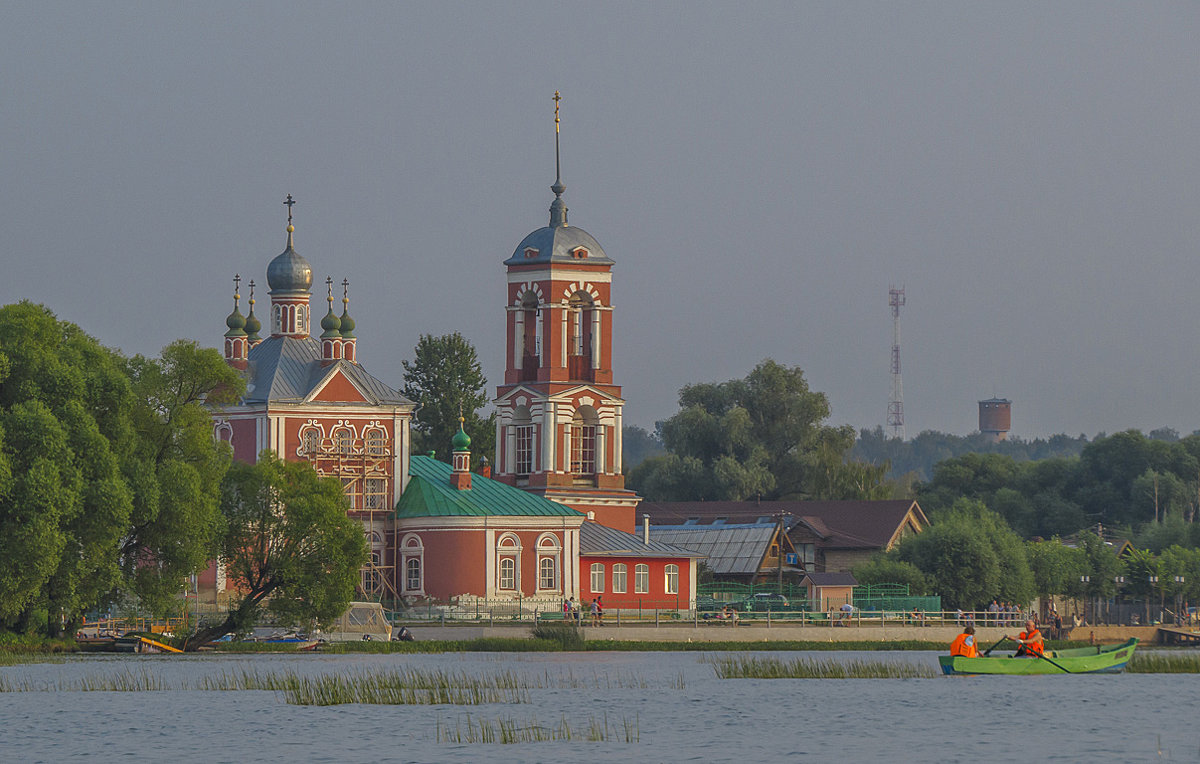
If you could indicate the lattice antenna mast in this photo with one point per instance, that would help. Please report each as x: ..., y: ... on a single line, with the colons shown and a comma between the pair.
x: 895, y: 413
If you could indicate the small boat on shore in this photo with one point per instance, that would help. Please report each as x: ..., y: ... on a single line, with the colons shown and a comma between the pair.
x: 1101, y: 659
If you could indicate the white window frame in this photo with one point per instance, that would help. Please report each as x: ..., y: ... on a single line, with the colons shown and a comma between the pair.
x: 549, y: 555
x: 411, y: 549
x: 620, y: 578
x: 508, y: 547
x: 597, y: 578
x: 641, y: 578
x: 671, y: 579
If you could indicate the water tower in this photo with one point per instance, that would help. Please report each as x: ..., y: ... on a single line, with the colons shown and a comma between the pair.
x: 995, y: 418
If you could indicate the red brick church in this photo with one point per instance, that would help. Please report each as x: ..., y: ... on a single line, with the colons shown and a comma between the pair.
x: 556, y: 522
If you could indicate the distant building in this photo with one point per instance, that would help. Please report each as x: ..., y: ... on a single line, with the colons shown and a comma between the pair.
x: 828, y: 536
x: 995, y: 418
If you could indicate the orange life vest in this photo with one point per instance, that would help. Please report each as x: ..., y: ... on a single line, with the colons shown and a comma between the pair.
x: 964, y: 645
x: 1035, y: 647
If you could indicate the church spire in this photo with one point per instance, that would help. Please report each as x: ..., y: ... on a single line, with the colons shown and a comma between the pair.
x: 558, y: 208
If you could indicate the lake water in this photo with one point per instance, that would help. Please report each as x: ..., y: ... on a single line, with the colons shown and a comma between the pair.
x: 683, y: 712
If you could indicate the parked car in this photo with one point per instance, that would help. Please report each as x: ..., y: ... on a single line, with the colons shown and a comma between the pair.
x: 762, y: 603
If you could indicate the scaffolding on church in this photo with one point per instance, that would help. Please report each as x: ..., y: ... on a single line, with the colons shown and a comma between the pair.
x: 364, y: 469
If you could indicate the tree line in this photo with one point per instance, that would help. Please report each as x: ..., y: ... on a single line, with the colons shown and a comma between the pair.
x: 112, y: 487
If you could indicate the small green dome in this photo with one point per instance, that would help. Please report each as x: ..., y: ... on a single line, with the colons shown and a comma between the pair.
x: 236, y: 323
x: 253, y: 325
x: 330, y: 324
x: 461, y: 440
x: 347, y: 325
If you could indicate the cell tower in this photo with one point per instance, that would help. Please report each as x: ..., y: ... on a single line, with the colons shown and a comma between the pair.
x: 895, y: 415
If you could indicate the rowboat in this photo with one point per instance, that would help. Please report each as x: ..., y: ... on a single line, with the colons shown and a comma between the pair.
x: 1101, y: 659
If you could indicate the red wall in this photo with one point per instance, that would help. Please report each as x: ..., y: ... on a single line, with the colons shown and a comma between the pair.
x: 655, y: 598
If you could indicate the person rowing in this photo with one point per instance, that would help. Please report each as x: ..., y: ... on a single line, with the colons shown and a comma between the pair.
x: 1030, y: 642
x: 964, y: 644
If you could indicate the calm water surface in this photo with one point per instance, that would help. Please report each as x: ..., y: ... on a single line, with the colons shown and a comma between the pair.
x: 969, y: 719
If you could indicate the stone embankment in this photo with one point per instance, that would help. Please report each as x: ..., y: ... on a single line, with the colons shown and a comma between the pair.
x: 761, y: 632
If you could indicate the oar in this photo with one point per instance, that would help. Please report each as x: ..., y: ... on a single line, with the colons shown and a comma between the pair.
x: 988, y: 651
x: 1052, y: 663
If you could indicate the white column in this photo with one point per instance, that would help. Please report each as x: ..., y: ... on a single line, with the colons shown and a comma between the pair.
x: 600, y: 441
x: 549, y: 427
x: 618, y: 440
x: 510, y: 449
x: 595, y: 338
x: 489, y: 562
x: 518, y: 341
x: 563, y: 337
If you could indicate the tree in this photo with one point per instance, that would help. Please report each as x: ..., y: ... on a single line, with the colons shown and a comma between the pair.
x: 971, y: 557
x: 64, y: 503
x: 637, y: 445
x: 176, y: 468
x: 288, y: 546
x: 445, y: 378
x: 1056, y: 568
x: 761, y: 436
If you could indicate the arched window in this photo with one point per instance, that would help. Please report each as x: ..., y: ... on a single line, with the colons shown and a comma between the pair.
x: 310, y: 441
x: 412, y: 573
x: 579, y: 340
x: 672, y: 579
x: 641, y: 579
x: 597, y: 577
x: 508, y: 555
x: 376, y: 442
x: 583, y: 442
x: 223, y: 433
x: 412, y: 552
x: 531, y: 336
x: 343, y: 440
x: 620, y: 572
x: 549, y: 559
x: 522, y: 442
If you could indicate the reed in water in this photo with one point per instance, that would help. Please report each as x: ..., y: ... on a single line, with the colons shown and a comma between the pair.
x: 753, y: 667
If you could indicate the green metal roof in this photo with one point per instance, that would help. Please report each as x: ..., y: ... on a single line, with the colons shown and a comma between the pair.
x: 429, y: 494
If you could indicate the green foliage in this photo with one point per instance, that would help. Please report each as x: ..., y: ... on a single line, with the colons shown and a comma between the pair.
x: 638, y: 445
x: 64, y: 503
x: 762, y: 436
x: 445, y: 378
x: 176, y: 468
x: 288, y: 545
x: 885, y: 569
x: 920, y: 455
x: 971, y: 557
x: 1056, y: 568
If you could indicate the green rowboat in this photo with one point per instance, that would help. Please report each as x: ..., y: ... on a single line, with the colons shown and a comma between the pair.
x: 1102, y: 659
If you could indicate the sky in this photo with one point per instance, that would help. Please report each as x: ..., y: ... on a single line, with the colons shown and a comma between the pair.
x: 761, y: 173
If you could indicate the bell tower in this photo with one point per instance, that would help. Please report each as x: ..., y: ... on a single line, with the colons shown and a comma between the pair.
x: 559, y: 413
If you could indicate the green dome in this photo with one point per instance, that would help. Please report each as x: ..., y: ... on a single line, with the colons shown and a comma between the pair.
x: 253, y: 325
x: 236, y: 323
x: 461, y: 440
x: 330, y: 324
x: 347, y: 325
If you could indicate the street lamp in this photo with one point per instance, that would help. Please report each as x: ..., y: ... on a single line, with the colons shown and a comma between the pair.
x: 1085, y: 580
x: 1117, y: 580
x: 1179, y: 582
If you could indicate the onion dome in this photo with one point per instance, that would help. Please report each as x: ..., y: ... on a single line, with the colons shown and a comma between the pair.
x: 461, y: 440
x: 289, y: 272
x: 253, y: 325
x: 331, y: 324
x: 346, y: 322
x: 236, y: 321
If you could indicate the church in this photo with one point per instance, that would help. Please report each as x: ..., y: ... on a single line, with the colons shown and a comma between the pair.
x: 555, y: 521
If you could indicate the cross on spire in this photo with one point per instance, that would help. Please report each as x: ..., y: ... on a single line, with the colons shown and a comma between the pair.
x: 237, y: 287
x: 289, y: 202
x: 346, y: 291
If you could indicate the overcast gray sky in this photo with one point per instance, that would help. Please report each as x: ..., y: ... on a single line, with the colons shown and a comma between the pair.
x: 760, y: 172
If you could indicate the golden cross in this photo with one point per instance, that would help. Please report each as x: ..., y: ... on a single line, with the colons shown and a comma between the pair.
x: 557, y: 98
